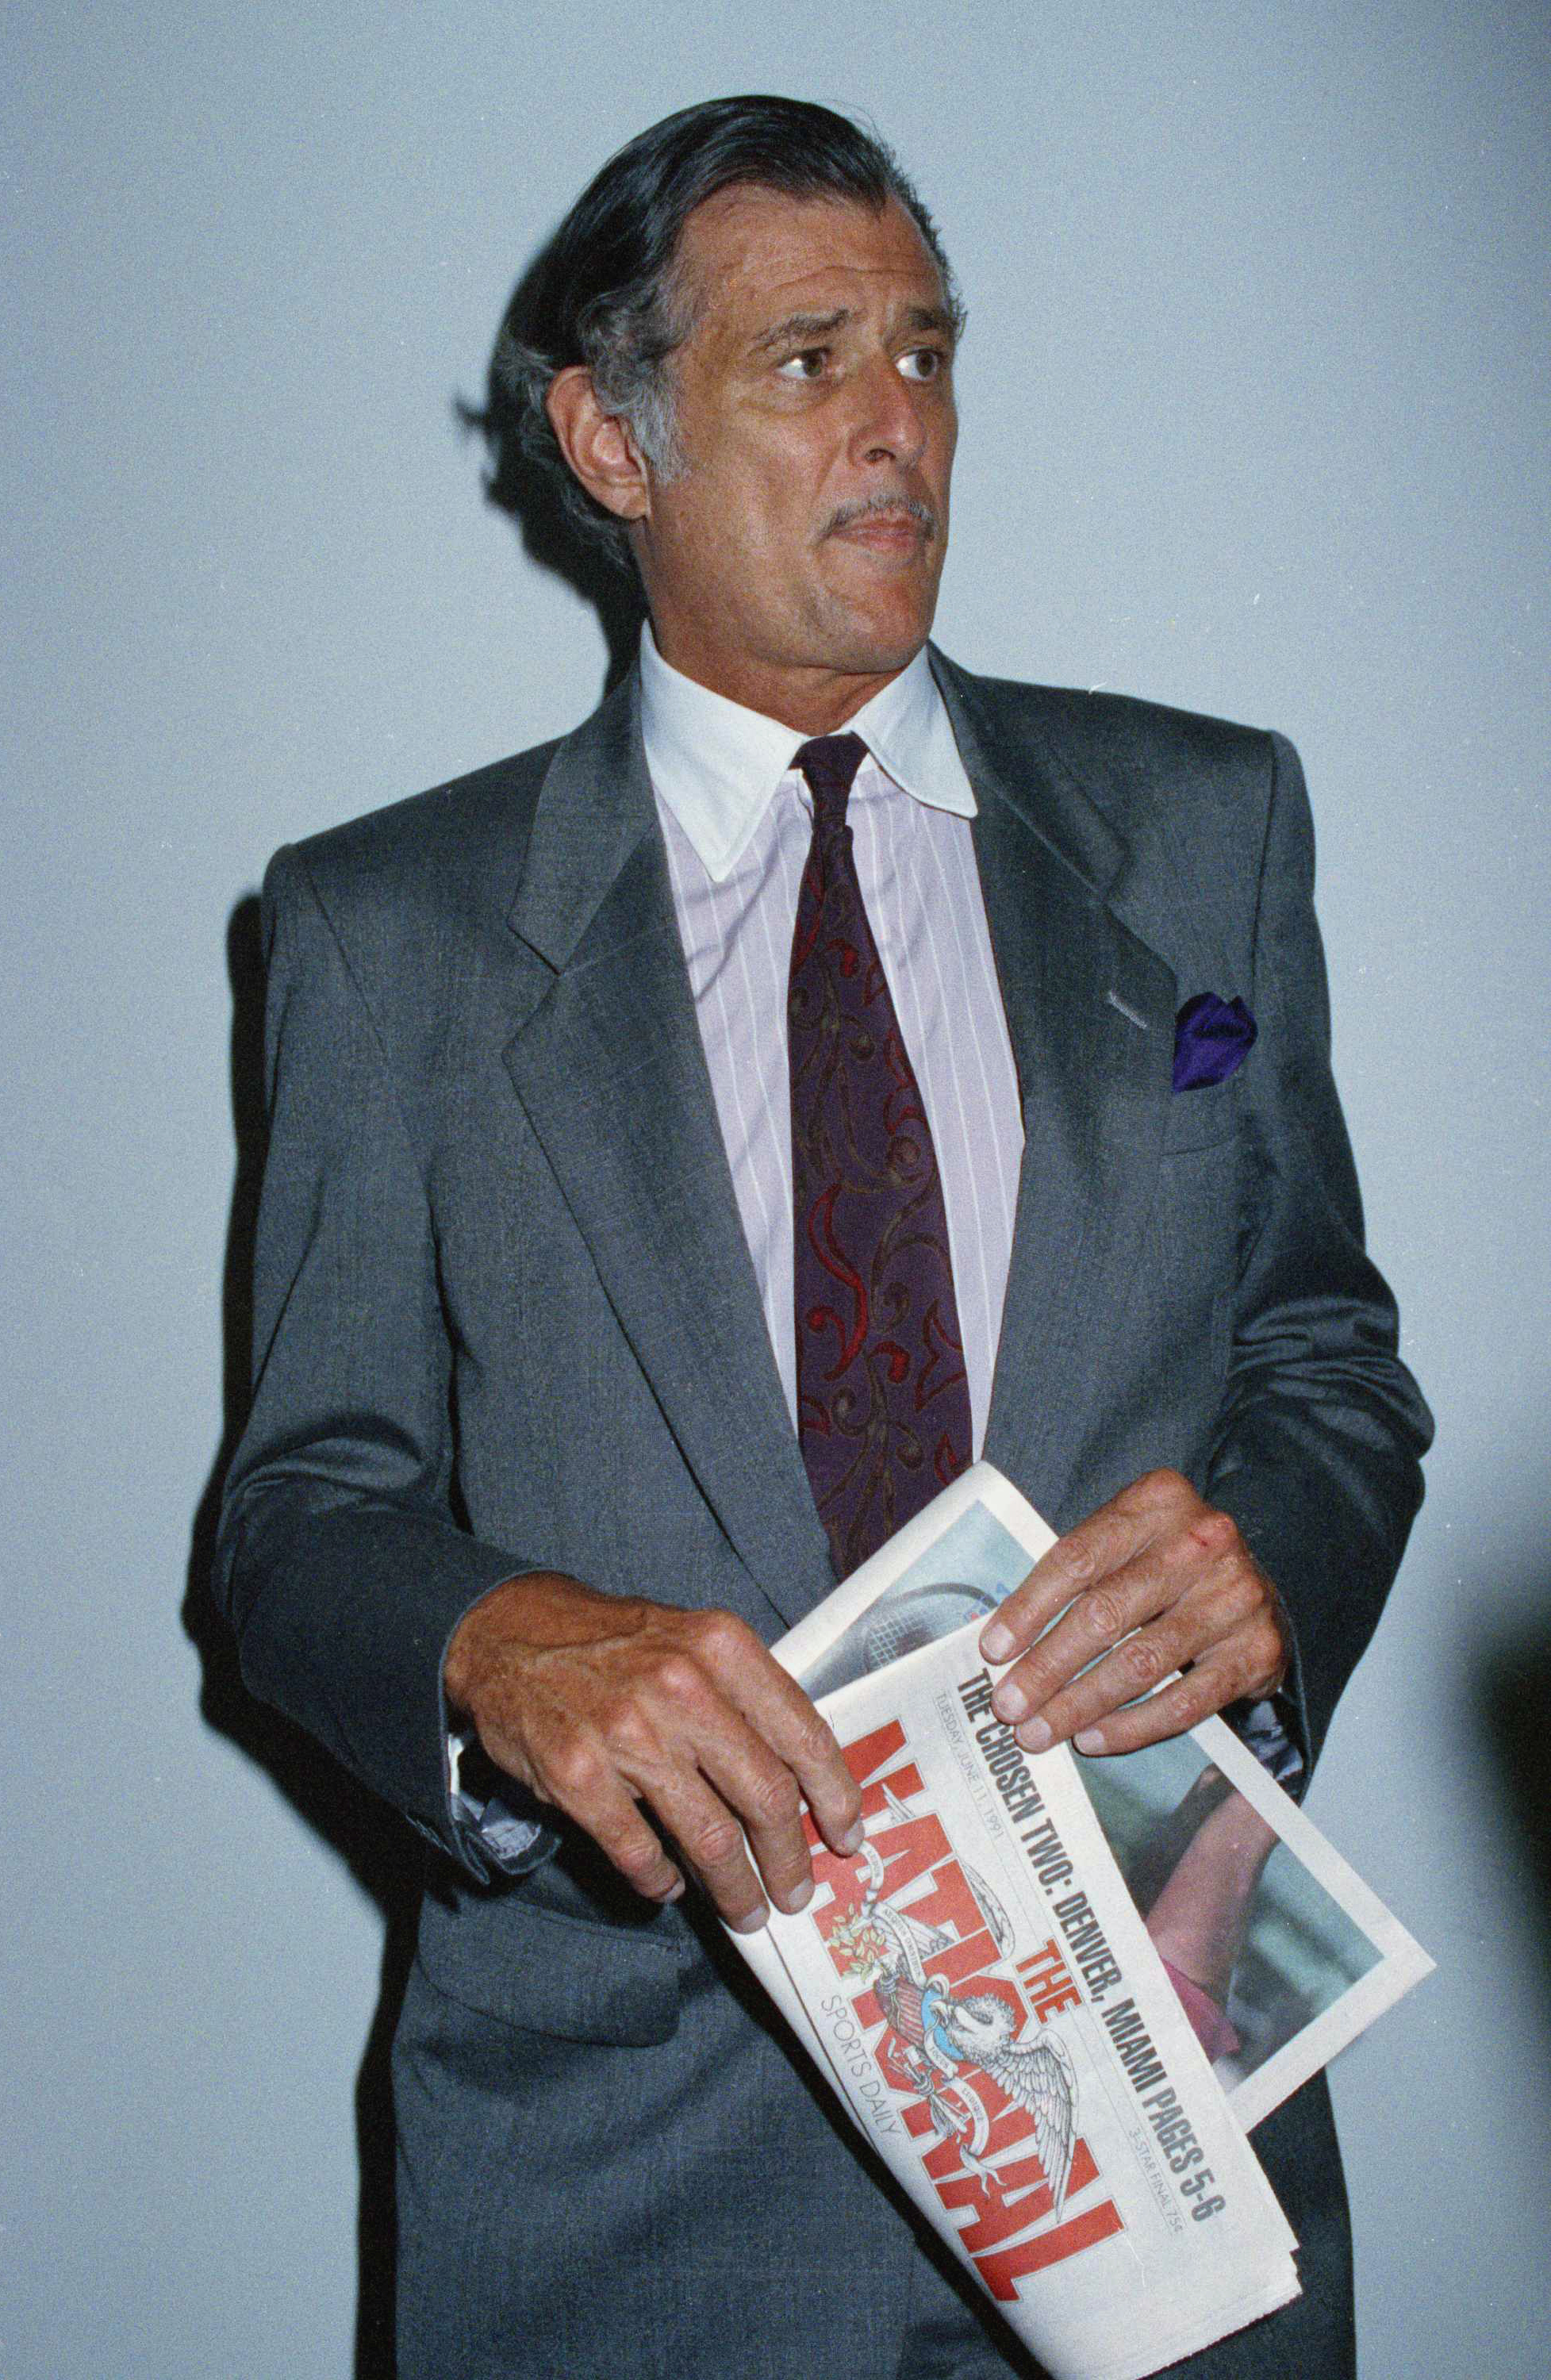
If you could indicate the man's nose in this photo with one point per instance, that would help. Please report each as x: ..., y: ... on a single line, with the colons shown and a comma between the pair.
x: 892, y: 420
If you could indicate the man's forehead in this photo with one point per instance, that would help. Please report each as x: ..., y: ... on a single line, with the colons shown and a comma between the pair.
x: 753, y: 255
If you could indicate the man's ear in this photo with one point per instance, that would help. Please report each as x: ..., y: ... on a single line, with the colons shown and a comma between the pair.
x: 600, y: 447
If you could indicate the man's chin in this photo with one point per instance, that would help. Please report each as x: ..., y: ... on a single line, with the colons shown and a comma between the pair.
x: 881, y: 619
x: 867, y: 644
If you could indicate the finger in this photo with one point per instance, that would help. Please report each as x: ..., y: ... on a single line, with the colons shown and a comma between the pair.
x: 656, y: 1752
x: 1099, y: 1619
x: 1202, y: 1691
x: 1229, y: 1664
x: 711, y: 1842
x: 759, y: 1787
x: 583, y: 1783
x: 1229, y: 1615
x: 1196, y: 1567
x: 783, y: 1718
x: 1096, y: 1548
x: 1133, y: 1669
x: 807, y: 1743
x: 601, y: 1782
x: 1160, y: 1504
x: 764, y: 1795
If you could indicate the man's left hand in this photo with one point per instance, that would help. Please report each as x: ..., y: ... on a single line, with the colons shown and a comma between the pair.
x: 1154, y: 1581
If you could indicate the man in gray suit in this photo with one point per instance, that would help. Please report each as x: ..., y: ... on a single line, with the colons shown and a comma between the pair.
x: 537, y: 1463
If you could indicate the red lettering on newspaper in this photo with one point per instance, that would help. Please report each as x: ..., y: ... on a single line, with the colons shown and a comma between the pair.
x: 1048, y: 1980
x: 943, y: 1993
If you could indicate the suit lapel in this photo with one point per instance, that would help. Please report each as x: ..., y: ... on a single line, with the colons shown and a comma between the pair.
x: 609, y: 1067
x: 1090, y: 1012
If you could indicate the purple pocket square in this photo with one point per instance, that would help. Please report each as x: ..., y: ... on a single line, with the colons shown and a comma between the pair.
x: 1212, y: 1039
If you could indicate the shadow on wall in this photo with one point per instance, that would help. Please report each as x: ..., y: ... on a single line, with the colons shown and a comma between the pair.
x: 530, y: 495
x: 381, y: 1854
x: 374, y: 1843
x: 1513, y: 1698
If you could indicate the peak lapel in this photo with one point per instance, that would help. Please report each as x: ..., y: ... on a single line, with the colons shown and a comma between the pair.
x: 1090, y: 1010
x: 609, y: 1067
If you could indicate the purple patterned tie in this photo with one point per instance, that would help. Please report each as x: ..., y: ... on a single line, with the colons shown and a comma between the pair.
x: 882, y: 1401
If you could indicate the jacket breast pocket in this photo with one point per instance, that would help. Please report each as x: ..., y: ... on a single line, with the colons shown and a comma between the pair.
x: 1201, y: 1118
x: 541, y: 1972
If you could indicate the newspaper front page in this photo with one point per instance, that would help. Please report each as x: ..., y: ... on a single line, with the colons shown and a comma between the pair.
x: 982, y: 1995
x: 991, y: 1985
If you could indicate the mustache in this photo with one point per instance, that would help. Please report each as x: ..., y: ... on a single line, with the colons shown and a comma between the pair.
x: 872, y: 507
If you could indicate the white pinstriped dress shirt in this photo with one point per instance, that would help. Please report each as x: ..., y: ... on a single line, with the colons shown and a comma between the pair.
x: 737, y: 819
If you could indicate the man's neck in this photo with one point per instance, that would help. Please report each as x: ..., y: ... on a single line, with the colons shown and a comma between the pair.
x: 810, y: 702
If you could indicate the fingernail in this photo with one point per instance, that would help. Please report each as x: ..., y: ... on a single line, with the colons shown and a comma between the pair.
x: 1009, y: 1701
x: 1089, y: 1739
x: 675, y: 1892
x: 753, y: 1924
x: 798, y: 1898
x: 853, y: 1838
x: 996, y: 1640
x: 1036, y: 1736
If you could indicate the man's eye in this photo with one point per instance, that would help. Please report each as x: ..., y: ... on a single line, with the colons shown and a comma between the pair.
x: 808, y: 365
x: 923, y: 363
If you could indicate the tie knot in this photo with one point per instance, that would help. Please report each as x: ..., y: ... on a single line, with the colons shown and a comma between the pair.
x: 829, y: 763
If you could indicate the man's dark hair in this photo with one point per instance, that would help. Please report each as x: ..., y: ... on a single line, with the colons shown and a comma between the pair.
x: 604, y: 292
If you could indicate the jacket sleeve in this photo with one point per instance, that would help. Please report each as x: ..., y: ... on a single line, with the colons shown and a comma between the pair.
x: 340, y: 1563
x: 1318, y: 1448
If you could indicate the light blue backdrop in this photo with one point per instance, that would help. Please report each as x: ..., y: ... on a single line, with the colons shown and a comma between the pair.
x: 1255, y: 409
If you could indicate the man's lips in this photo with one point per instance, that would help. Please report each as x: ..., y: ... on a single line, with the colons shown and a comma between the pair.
x: 897, y: 527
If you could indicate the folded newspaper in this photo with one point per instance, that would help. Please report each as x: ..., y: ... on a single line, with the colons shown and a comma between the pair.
x: 1053, y: 1992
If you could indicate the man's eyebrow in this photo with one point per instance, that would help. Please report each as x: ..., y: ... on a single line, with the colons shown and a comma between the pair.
x: 798, y: 329
x: 806, y: 330
x: 931, y: 318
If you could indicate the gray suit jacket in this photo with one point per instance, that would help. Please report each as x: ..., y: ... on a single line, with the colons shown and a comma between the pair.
x: 506, y: 1317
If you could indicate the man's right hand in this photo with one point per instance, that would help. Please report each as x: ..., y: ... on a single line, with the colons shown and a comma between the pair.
x: 599, y: 1703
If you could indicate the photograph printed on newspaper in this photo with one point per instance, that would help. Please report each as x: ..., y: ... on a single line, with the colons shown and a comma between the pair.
x: 977, y: 1986
x: 1279, y: 1954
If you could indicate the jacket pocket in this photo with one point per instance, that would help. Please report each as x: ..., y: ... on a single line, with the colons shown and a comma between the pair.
x: 1201, y: 1118
x: 543, y: 1973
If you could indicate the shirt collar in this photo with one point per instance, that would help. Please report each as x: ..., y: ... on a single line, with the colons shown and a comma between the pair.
x: 717, y: 764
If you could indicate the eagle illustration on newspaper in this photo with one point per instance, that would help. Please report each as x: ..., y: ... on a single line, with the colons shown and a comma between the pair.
x: 944, y: 2032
